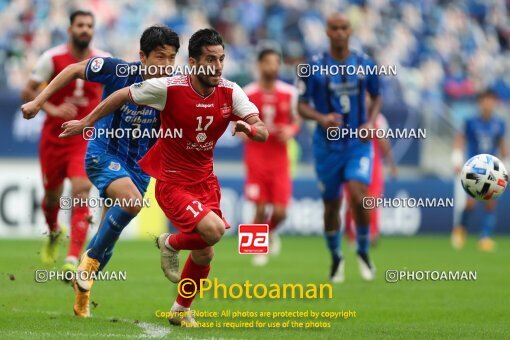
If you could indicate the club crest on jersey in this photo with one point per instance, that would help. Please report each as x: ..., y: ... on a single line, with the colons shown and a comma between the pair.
x: 114, y: 166
x: 201, y: 137
x: 97, y: 65
x: 226, y: 110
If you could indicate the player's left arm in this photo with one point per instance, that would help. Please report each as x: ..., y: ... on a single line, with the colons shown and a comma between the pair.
x: 248, y: 115
x: 253, y: 127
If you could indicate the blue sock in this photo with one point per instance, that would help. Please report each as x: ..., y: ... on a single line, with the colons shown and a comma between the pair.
x: 103, y: 260
x: 334, y: 242
x: 465, y: 217
x: 489, y: 224
x: 363, y: 236
x: 114, y: 222
x: 91, y: 242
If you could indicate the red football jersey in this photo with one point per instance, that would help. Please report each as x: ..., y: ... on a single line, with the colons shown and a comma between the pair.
x: 190, y: 125
x: 276, y: 110
x: 85, y: 95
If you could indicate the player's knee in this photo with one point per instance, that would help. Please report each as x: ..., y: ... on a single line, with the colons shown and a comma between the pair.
x: 331, y: 209
x: 132, y: 203
x: 81, y: 190
x: 217, y: 233
x: 80, y: 193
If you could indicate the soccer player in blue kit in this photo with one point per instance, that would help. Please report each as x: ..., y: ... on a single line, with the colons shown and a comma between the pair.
x: 339, y: 101
x: 484, y: 133
x: 112, y: 163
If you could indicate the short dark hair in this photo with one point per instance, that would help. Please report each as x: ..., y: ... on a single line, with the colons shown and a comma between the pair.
x: 158, y: 36
x: 267, y: 51
x: 487, y: 93
x: 78, y: 13
x: 201, y: 38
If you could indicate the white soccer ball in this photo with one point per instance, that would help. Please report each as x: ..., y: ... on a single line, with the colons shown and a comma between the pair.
x: 484, y: 177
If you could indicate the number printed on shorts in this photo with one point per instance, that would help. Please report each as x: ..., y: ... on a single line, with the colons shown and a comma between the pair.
x: 191, y: 207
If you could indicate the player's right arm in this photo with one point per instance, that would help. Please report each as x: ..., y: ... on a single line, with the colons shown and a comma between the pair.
x: 42, y: 73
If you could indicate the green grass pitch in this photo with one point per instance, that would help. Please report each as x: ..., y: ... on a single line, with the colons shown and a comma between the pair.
x: 126, y: 309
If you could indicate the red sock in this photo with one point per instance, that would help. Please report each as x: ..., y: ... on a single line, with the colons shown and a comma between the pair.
x: 50, y: 214
x: 79, y: 228
x: 186, y: 241
x: 195, y: 272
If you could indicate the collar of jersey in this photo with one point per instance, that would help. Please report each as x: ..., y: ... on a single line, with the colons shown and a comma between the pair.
x: 198, y: 94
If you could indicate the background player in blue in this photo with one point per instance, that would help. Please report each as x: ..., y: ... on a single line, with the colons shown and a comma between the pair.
x: 112, y: 163
x: 483, y: 133
x: 334, y: 101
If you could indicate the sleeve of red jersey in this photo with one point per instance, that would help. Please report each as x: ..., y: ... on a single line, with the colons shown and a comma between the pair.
x: 151, y: 92
x: 243, y: 108
x: 43, y: 69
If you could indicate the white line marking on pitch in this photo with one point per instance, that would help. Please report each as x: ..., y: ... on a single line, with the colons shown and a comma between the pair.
x: 150, y: 330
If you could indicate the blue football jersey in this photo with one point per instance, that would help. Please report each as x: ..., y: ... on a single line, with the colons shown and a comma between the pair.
x: 483, y: 136
x: 342, y: 92
x: 130, y: 146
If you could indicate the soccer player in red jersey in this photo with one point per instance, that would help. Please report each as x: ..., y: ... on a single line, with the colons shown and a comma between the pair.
x: 195, y: 111
x: 268, y: 179
x: 60, y: 158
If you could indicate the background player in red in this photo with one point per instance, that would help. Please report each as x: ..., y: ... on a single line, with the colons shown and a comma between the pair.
x: 267, y: 164
x: 60, y: 158
x: 197, y: 110
x: 382, y: 149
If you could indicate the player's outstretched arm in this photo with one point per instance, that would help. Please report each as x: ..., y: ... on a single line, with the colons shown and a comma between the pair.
x: 253, y: 127
x: 38, y: 102
x: 107, y: 106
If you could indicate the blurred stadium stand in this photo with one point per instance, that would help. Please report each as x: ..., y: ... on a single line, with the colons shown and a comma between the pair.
x: 445, y: 52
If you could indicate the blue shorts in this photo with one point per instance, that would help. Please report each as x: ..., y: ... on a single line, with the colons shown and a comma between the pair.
x: 103, y: 168
x: 335, y: 167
